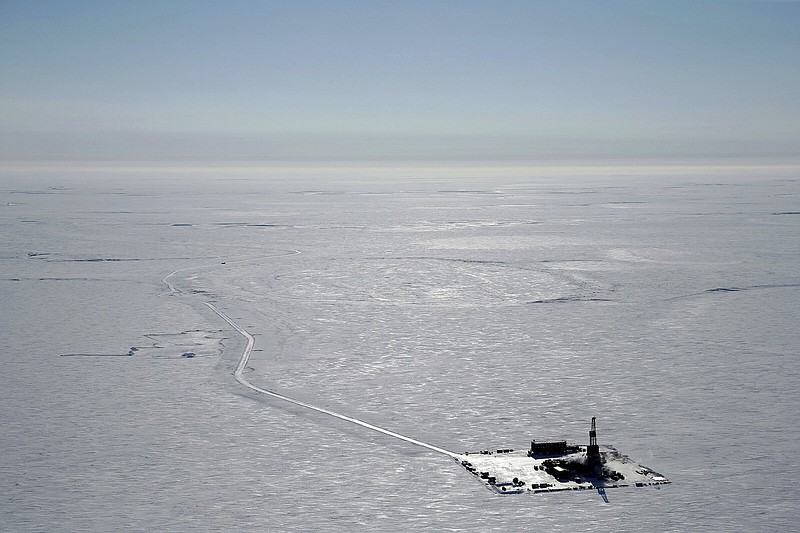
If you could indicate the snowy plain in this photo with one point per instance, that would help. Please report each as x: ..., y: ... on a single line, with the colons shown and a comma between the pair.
x: 466, y: 307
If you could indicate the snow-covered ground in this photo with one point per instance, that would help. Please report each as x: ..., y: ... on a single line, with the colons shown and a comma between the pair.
x: 464, y: 308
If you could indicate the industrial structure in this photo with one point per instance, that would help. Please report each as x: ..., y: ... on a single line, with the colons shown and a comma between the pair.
x: 593, y: 458
x: 558, y: 465
x: 543, y: 448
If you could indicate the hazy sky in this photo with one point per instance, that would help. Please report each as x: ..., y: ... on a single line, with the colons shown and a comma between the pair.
x: 408, y: 79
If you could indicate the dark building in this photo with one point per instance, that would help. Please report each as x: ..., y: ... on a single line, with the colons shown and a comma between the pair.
x: 558, y: 447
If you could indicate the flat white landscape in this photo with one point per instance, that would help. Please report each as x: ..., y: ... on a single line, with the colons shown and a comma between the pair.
x: 465, y: 308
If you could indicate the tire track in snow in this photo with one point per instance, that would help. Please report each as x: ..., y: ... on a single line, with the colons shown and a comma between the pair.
x: 238, y: 373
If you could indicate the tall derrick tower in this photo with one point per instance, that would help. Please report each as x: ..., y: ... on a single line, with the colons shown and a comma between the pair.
x: 593, y: 450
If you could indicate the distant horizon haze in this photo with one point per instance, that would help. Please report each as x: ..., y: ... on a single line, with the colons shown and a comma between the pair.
x: 436, y: 80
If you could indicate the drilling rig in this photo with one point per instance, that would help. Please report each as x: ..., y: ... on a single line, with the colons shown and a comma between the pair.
x: 593, y: 458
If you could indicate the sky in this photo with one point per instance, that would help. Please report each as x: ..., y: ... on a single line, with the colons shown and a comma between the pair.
x: 423, y: 80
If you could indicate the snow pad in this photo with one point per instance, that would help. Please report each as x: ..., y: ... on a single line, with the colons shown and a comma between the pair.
x: 515, y: 472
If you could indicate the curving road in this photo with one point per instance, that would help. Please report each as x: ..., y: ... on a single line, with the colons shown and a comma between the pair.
x: 238, y: 373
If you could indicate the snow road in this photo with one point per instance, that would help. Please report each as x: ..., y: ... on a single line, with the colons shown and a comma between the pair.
x: 239, y: 372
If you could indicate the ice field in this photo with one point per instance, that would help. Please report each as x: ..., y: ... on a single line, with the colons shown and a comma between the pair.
x: 467, y: 308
